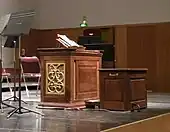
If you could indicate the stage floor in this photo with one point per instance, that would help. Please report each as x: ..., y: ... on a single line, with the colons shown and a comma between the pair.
x: 76, y: 121
x: 29, y: 84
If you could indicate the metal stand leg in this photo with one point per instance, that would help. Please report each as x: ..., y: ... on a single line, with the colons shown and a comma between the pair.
x: 26, y: 88
x: 1, y: 102
x: 15, y: 98
x: 20, y: 108
x: 38, y: 85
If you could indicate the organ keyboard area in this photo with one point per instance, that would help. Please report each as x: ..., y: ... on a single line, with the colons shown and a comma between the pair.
x: 96, y: 43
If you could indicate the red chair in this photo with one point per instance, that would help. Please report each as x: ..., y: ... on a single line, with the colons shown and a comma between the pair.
x: 30, y: 68
x: 9, y: 74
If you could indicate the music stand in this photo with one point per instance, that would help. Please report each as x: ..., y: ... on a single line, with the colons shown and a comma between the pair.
x: 18, y: 25
x: 3, y: 22
x: 13, y: 42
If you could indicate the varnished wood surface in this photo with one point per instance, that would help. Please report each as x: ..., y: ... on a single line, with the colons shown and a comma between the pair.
x: 123, y: 89
x: 69, y: 51
x: 124, y: 69
x: 81, y: 75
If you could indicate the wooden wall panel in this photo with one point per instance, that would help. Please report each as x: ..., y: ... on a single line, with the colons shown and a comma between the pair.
x: 38, y: 39
x: 163, y: 57
x: 141, y: 50
x: 30, y: 42
x: 46, y: 39
x: 72, y: 33
x: 121, y: 47
x: 136, y: 46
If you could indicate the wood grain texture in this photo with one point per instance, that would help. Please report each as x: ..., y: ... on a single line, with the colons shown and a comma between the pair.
x: 121, y: 89
x: 136, y: 46
x: 81, y: 75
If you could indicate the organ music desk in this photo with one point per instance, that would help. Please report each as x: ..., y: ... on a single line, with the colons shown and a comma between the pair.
x: 69, y: 76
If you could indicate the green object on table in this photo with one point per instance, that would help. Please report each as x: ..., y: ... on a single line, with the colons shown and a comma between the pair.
x: 84, y: 22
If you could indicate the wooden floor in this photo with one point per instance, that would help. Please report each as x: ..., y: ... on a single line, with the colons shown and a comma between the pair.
x: 82, y: 121
x: 158, y: 123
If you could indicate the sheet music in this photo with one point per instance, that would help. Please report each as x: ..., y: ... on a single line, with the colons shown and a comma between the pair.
x: 63, y: 42
x: 66, y: 41
x: 8, y: 57
x: 73, y: 43
x: 3, y: 40
x: 3, y: 22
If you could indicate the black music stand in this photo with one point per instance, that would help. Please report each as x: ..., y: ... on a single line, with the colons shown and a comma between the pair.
x: 18, y: 25
x: 3, y: 22
x: 13, y: 42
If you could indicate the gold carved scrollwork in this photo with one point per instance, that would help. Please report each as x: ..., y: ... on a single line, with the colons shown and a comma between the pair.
x: 55, y: 78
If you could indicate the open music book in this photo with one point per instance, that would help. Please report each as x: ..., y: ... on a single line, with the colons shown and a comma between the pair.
x: 63, y: 39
